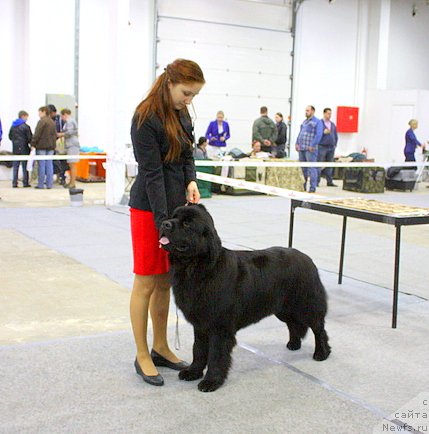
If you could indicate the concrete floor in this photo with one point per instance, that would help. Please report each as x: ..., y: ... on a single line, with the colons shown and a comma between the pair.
x: 66, y: 349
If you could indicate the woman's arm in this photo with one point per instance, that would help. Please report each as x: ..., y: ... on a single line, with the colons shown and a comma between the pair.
x: 70, y: 129
x: 146, y: 143
x: 226, y: 130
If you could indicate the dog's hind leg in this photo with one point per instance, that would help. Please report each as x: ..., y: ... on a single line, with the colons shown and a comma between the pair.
x: 297, y: 330
x: 199, y: 361
x: 219, y: 361
x: 322, y: 349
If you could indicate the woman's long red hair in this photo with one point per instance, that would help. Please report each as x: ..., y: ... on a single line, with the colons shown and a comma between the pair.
x: 159, y: 102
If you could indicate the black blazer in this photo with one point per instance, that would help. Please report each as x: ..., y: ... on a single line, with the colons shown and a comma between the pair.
x: 282, y: 134
x: 160, y: 186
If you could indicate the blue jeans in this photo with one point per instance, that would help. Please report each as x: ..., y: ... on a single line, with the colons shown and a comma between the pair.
x: 46, y: 169
x: 311, y: 172
x: 325, y: 153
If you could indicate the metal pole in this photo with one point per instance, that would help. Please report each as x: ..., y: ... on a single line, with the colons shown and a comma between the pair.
x: 396, y: 277
x: 76, y: 55
x: 343, y: 243
x: 291, y: 219
x: 295, y: 7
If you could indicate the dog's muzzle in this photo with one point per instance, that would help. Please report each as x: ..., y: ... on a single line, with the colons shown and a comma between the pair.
x: 166, y: 227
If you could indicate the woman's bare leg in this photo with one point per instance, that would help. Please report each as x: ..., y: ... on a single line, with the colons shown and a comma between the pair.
x: 159, y: 305
x: 143, y: 288
x: 73, y: 173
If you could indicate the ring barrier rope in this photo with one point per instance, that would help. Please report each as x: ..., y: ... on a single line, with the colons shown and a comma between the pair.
x: 259, y: 188
x: 221, y: 163
x: 237, y: 183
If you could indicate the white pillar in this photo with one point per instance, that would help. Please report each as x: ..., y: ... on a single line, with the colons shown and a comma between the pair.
x: 131, y: 72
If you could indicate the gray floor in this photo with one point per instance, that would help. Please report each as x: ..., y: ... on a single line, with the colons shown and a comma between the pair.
x: 83, y: 381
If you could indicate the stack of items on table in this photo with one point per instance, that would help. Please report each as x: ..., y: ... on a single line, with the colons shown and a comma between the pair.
x: 282, y: 177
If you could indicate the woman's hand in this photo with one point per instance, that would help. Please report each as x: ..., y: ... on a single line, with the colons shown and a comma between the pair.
x: 193, y: 194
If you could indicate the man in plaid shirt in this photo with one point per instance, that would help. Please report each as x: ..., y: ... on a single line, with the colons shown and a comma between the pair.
x: 306, y: 144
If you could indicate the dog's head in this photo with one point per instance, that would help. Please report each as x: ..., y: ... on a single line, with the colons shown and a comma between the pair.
x: 190, y: 233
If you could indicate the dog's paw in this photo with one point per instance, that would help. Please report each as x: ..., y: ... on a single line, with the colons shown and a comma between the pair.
x: 294, y: 345
x: 322, y: 353
x: 209, y: 385
x: 190, y: 375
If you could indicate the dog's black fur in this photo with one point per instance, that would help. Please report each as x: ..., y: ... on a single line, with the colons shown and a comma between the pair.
x: 221, y: 291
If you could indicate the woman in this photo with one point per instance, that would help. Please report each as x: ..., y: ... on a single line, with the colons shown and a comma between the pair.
x: 281, y: 136
x: 200, y: 151
x: 217, y: 134
x: 71, y: 143
x: 411, y: 141
x: 161, y: 134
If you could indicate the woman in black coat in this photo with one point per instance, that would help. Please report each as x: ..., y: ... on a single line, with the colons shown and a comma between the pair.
x: 162, y: 137
x: 281, y: 136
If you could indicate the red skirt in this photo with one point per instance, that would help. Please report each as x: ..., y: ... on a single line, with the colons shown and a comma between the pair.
x: 149, y: 258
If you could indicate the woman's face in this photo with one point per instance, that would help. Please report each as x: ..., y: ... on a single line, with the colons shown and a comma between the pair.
x: 256, y: 147
x: 414, y: 125
x: 182, y: 94
x: 219, y: 117
x: 278, y: 118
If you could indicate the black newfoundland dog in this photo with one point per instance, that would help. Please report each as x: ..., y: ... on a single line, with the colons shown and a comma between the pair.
x: 221, y: 291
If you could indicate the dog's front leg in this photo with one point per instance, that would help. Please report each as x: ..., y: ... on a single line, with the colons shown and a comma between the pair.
x: 221, y: 344
x: 200, y: 354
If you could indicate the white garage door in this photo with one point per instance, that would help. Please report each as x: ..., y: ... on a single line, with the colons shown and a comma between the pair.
x: 246, y: 63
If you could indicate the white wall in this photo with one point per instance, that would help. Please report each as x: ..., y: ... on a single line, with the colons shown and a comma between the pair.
x: 369, y: 54
x: 330, y: 61
x: 408, y: 64
x: 37, y: 52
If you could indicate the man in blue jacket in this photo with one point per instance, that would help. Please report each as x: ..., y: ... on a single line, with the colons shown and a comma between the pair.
x: 20, y: 134
x: 327, y: 145
x: 306, y: 144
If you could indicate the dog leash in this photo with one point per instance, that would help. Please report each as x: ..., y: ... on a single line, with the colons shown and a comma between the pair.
x: 177, y: 336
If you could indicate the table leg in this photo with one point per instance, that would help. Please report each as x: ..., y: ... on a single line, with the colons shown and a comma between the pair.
x: 343, y: 242
x: 292, y: 214
x: 396, y: 277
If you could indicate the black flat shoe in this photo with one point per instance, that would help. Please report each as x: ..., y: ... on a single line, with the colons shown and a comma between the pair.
x: 159, y: 360
x: 154, y: 380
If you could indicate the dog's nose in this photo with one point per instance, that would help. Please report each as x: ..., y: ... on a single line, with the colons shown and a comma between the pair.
x: 167, y: 225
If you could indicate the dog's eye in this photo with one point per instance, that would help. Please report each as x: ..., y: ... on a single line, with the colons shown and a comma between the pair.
x: 186, y: 224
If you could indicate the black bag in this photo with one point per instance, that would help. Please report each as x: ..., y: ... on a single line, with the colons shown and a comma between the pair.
x: 401, y: 178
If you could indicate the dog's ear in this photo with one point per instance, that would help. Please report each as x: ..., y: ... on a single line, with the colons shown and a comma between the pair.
x: 214, y: 246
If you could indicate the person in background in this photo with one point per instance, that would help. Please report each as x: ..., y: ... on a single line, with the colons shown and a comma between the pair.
x: 162, y: 138
x: 44, y: 141
x: 281, y: 136
x: 217, y: 134
x: 306, y: 144
x: 70, y: 134
x: 20, y: 134
x: 411, y: 142
x: 200, y: 150
x: 55, y: 117
x: 265, y: 131
x: 60, y: 166
x: 327, y: 145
